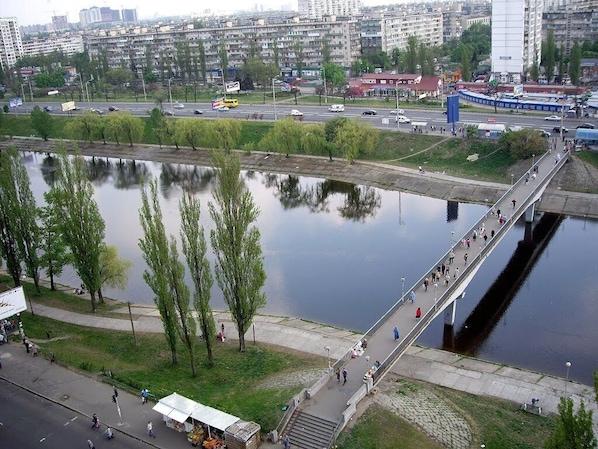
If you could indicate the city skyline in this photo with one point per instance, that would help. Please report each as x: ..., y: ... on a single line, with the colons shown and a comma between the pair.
x: 40, y: 12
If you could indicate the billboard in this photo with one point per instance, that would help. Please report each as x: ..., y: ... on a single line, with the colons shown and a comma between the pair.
x: 518, y: 90
x: 233, y: 86
x: 15, y: 102
x: 217, y: 103
x: 68, y: 106
x: 452, y: 108
x: 12, y: 302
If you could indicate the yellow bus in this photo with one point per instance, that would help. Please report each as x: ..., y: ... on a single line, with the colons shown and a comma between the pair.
x: 231, y: 102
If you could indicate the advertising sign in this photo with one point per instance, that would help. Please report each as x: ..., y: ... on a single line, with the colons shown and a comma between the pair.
x: 518, y: 90
x: 217, y: 103
x: 452, y: 108
x: 233, y: 86
x: 12, y: 302
x: 15, y: 102
x: 68, y: 106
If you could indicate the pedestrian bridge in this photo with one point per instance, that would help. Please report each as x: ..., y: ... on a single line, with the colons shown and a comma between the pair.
x: 318, y: 414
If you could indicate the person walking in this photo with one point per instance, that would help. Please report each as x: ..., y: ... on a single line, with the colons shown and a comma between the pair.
x: 418, y: 313
x: 338, y: 375
x: 150, y: 429
x: 95, y: 421
x: 412, y: 296
x: 109, y: 434
x: 426, y: 283
x: 90, y: 444
x: 456, y: 272
x: 465, y: 258
x: 286, y: 442
x: 443, y: 268
x: 345, y: 372
x: 396, y: 333
x: 514, y: 202
x: 144, y: 395
x: 451, y: 257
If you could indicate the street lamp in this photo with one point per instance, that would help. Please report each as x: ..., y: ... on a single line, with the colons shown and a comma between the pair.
x: 170, y: 95
x: 568, y: 365
x: 452, y: 238
x: 327, y: 348
x: 402, y: 288
x: 274, y: 98
x: 512, y: 176
x: 397, y: 95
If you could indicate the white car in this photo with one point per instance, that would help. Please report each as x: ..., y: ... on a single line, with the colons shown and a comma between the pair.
x: 402, y: 119
x: 179, y: 106
x: 296, y: 113
x: 397, y: 112
x: 222, y: 108
x: 553, y: 118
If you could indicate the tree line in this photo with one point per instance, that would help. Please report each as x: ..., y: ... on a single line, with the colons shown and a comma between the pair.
x: 70, y: 230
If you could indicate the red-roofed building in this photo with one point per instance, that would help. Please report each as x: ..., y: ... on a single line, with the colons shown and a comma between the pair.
x: 386, y: 84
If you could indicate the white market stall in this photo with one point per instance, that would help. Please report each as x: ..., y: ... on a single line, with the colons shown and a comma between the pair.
x: 207, y: 425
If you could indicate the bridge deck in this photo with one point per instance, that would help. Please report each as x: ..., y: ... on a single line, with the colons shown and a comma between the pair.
x: 331, y: 400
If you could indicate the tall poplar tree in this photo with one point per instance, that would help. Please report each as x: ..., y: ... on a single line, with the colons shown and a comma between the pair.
x: 195, y: 250
x: 81, y: 224
x: 54, y: 255
x: 154, y: 247
x: 239, y: 264
x: 549, y: 56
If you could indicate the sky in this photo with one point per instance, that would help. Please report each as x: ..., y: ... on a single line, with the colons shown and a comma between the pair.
x: 33, y: 12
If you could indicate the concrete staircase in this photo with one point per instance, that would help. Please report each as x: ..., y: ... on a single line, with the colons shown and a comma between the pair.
x: 308, y: 431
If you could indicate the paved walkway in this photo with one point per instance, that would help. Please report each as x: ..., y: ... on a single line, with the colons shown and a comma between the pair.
x: 88, y: 396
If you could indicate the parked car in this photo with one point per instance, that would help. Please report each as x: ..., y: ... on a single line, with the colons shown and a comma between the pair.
x: 113, y: 108
x: 557, y: 129
x: 198, y: 112
x: 586, y: 126
x: 296, y: 113
x: 397, y: 112
x: 402, y: 119
x: 553, y: 118
x: 179, y: 106
x: 96, y: 111
x: 48, y: 108
x: 369, y: 112
x: 544, y: 133
x: 168, y: 113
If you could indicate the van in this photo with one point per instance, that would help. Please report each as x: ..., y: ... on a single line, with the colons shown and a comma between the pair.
x: 337, y: 108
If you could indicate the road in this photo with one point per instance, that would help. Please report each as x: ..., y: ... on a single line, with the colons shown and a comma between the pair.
x: 29, y: 421
x: 382, y: 120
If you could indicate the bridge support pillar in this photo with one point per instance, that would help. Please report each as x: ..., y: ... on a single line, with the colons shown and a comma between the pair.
x: 529, y: 213
x: 449, y: 314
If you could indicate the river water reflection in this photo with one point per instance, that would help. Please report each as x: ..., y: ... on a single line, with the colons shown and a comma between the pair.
x: 335, y: 253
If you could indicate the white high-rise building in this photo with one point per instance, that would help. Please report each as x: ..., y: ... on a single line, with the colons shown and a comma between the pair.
x: 317, y: 9
x: 11, y: 46
x: 516, y: 37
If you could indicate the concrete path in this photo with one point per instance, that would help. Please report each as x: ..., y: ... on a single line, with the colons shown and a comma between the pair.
x: 88, y: 396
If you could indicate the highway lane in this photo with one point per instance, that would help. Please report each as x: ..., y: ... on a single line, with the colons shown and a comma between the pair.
x: 318, y: 113
x: 29, y: 421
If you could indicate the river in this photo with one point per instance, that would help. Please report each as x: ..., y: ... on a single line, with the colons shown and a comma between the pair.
x: 335, y: 253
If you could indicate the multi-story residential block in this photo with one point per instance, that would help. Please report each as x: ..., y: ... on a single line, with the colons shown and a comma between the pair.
x: 318, y: 9
x: 60, y: 23
x: 577, y: 21
x: 11, y: 47
x: 516, y: 37
x: 296, y: 41
x: 68, y: 44
x: 389, y: 32
x: 129, y: 15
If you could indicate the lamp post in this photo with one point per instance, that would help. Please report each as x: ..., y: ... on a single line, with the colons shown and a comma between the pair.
x: 402, y: 289
x: 274, y: 98
x: 568, y: 365
x: 170, y: 95
x: 452, y: 238
x: 325, y: 86
x: 327, y: 348
x: 397, y: 95
x: 512, y: 177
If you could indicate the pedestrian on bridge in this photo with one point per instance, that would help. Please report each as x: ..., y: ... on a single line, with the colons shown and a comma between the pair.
x: 396, y: 333
x: 338, y: 375
x: 427, y: 282
x: 465, y: 258
x: 418, y: 313
x: 451, y: 256
x: 514, y: 202
x: 345, y: 376
x: 443, y: 268
x: 412, y: 296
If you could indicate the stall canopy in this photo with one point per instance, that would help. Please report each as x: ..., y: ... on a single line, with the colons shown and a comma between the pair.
x: 176, y: 407
x: 180, y: 408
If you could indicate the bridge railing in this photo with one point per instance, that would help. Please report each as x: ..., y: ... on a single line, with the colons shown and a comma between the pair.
x: 447, y: 294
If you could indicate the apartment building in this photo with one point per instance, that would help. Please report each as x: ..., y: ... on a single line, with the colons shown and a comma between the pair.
x: 389, y: 32
x: 11, y: 47
x: 576, y: 21
x: 318, y: 9
x: 69, y: 44
x: 297, y: 39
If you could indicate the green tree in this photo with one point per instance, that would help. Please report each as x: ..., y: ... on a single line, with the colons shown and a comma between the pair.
x: 160, y: 96
x: 313, y: 139
x: 573, y: 430
x: 522, y: 144
x: 112, y: 125
x: 410, y: 55
x: 575, y: 63
x: 331, y: 130
x: 239, y: 264
x: 299, y: 57
x: 335, y: 75
x: 158, y: 126
x: 534, y: 71
x: 190, y: 131
x: 326, y: 52
x: 54, y: 253
x: 466, y: 63
x: 83, y: 126
x: 224, y: 134
x: 114, y: 271
x: 195, y: 249
x: 395, y: 58
x: 284, y: 137
x: 549, y: 56
x: 131, y: 127
x: 223, y: 56
x: 42, y: 122
x: 154, y: 248
x: 83, y: 228
x: 354, y: 139
x: 202, y: 60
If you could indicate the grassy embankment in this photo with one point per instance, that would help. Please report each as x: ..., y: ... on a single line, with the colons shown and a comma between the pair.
x: 433, y: 152
x: 231, y: 384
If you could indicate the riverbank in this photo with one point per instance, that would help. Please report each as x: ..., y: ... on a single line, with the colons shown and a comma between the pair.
x: 563, y: 195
